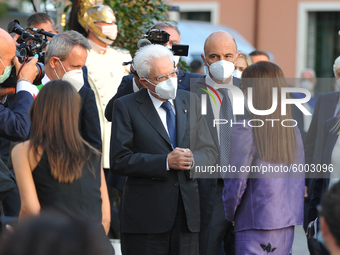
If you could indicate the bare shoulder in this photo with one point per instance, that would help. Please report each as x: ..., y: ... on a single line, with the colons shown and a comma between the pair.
x: 22, y: 152
x: 20, y: 149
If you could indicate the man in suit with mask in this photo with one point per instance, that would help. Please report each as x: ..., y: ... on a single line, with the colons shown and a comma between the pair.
x: 220, y: 55
x: 153, y: 145
x: 65, y: 56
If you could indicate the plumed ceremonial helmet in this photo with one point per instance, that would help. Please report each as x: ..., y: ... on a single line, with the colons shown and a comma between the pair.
x: 89, y: 14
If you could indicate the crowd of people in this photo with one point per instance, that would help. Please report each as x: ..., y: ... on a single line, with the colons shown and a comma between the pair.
x: 104, y: 150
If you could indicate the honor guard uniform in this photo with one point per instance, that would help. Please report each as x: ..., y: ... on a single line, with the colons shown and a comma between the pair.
x: 104, y: 63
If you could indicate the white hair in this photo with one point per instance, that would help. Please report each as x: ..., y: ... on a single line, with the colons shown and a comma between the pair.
x: 146, y: 55
x: 336, y: 65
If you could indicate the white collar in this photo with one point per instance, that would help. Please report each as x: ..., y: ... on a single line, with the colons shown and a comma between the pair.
x: 212, y: 83
x: 97, y: 48
x: 45, y: 79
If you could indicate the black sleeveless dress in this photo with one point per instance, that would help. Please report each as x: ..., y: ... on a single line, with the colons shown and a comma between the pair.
x: 80, y: 199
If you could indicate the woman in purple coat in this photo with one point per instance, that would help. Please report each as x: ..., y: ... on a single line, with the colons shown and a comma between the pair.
x: 265, y: 206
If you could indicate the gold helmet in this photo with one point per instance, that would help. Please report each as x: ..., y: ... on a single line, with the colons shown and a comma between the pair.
x: 89, y: 14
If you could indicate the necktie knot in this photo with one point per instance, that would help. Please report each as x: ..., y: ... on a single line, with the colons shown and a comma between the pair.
x: 166, y: 106
x: 223, y: 91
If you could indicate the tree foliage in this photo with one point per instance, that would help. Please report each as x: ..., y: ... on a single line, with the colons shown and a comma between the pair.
x: 134, y: 18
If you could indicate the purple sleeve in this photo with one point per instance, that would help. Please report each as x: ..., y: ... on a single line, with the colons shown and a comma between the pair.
x: 241, y: 155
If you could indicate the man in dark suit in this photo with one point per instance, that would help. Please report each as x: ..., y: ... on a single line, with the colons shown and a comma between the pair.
x: 65, y: 56
x: 152, y: 144
x: 326, y: 107
x: 15, y: 122
x: 220, y: 54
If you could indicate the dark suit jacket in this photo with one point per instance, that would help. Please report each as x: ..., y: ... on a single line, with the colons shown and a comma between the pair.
x: 15, y: 124
x: 89, y: 126
x: 324, y: 110
x: 321, y: 184
x: 139, y: 149
x: 208, y: 187
x: 126, y: 88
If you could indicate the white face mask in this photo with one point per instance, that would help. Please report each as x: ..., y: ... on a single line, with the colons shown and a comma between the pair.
x: 237, y: 74
x: 306, y: 84
x: 221, y: 70
x: 75, y: 77
x: 110, y: 31
x: 166, y: 89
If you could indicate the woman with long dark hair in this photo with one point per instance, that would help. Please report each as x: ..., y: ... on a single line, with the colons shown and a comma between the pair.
x: 265, y: 206
x: 56, y: 169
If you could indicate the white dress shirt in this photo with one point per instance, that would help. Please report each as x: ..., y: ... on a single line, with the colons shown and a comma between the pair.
x: 216, y: 108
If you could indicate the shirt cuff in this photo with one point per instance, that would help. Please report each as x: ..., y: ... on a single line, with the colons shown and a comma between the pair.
x: 167, y: 164
x: 24, y: 85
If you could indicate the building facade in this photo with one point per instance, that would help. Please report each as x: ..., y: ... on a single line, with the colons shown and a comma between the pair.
x: 299, y: 34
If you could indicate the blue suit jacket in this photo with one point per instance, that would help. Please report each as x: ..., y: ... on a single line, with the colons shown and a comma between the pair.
x: 89, y: 125
x: 15, y: 124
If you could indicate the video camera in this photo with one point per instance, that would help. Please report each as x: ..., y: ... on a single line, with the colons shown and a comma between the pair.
x: 29, y: 45
x: 158, y: 36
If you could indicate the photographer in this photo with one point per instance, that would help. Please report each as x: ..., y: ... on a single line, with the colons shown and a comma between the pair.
x: 15, y: 123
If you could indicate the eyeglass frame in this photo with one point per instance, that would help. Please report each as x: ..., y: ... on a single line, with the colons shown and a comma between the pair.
x: 167, y: 76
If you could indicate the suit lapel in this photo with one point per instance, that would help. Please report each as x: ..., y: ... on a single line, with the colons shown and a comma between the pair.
x: 181, y: 117
x: 209, y: 118
x: 149, y: 112
x: 330, y: 106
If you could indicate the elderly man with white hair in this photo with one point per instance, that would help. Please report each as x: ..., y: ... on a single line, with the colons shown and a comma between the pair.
x: 326, y: 107
x: 159, y: 134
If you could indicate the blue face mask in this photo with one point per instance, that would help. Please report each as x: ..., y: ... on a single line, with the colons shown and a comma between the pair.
x: 6, y: 73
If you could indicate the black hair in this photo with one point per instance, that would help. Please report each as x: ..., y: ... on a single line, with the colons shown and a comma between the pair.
x: 259, y: 53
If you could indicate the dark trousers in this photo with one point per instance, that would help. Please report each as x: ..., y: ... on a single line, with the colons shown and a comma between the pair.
x: 220, y: 231
x: 178, y: 241
x: 114, y: 201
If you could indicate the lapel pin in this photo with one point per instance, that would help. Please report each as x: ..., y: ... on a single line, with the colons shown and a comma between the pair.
x: 185, y: 111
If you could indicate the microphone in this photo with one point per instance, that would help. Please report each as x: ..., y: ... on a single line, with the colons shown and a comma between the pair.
x: 143, y: 42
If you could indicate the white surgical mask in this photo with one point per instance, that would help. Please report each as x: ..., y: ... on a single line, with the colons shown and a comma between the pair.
x: 237, y: 74
x: 6, y: 74
x: 221, y: 70
x: 110, y: 31
x: 166, y: 89
x: 306, y: 84
x: 75, y: 77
